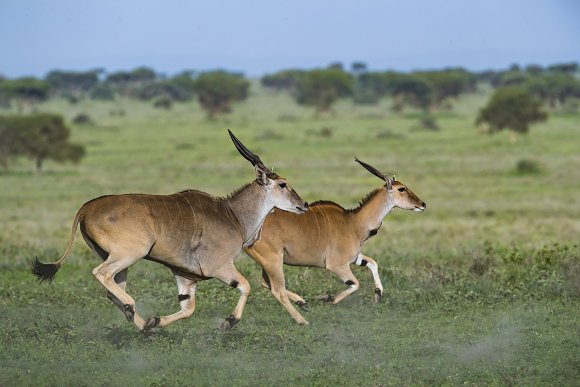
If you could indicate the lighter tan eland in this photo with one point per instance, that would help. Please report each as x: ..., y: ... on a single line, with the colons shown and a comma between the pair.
x: 327, y: 236
x: 194, y: 234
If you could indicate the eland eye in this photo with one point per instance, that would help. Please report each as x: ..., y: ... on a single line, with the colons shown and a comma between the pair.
x: 282, y: 185
x: 402, y: 189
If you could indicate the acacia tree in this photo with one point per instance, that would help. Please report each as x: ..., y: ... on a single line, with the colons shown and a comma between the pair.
x: 73, y: 82
x: 283, y: 80
x: 39, y: 137
x: 180, y: 88
x: 413, y: 90
x: 512, y: 108
x: 26, y: 91
x: 142, y: 74
x: 322, y: 88
x: 554, y: 88
x: 47, y: 137
x: 406, y: 89
x: 218, y: 90
x: 448, y: 83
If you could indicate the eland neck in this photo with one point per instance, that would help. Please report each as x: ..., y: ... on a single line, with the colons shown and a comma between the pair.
x: 373, y: 210
x: 250, y: 204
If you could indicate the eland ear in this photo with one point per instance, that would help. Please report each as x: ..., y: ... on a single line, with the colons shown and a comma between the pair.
x: 261, y: 176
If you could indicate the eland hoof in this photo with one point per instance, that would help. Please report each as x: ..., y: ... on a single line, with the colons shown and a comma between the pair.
x: 151, y: 323
x: 229, y: 323
x: 326, y: 298
x: 129, y: 312
x: 303, y: 305
x: 378, y: 295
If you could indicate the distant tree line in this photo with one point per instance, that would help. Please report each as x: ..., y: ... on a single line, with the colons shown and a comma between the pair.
x: 216, y: 91
x: 426, y: 90
x: 517, y: 102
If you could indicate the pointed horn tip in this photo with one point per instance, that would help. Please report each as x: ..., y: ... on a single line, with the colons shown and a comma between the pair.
x: 245, y: 152
x: 372, y: 170
x: 237, y: 142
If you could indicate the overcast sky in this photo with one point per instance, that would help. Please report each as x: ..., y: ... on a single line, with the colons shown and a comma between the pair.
x: 263, y: 36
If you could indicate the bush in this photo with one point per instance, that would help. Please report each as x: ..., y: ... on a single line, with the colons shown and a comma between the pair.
x: 527, y: 167
x: 218, y: 90
x: 511, y: 108
x: 322, y: 88
x: 82, y: 119
x: 163, y: 103
x: 39, y: 137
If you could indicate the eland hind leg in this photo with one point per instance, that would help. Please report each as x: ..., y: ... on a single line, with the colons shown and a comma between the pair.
x: 273, y: 276
x: 106, y: 272
x: 120, y: 278
x: 295, y: 298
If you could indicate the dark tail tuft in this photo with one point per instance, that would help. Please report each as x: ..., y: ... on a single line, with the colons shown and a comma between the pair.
x: 44, y: 271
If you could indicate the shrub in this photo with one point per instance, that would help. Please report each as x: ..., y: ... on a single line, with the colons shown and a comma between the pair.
x: 163, y: 102
x: 82, y: 119
x: 527, y: 167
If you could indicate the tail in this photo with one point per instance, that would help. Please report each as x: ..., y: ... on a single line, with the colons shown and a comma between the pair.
x: 47, y: 271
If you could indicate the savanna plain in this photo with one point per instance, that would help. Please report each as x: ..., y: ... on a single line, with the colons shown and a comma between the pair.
x: 481, y: 288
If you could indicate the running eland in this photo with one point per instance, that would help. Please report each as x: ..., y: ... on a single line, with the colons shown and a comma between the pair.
x: 196, y: 235
x: 329, y: 237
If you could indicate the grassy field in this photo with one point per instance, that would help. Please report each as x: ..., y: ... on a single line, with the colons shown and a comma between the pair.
x: 482, y: 288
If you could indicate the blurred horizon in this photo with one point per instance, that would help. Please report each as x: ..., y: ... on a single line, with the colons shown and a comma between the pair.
x: 266, y: 37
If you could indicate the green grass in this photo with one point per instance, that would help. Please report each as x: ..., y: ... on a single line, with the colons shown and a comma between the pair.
x: 482, y: 288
